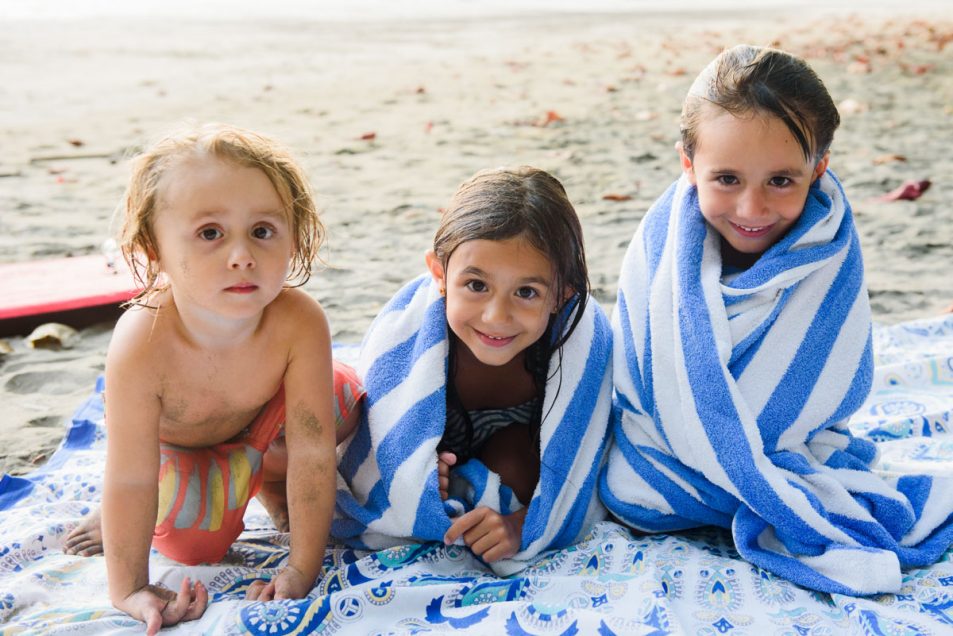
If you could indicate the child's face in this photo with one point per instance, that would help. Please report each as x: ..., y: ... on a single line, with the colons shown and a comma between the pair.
x: 224, y: 240
x: 499, y: 296
x: 752, y: 178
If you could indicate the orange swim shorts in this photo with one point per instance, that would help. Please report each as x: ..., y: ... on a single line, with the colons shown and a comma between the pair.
x: 203, y: 492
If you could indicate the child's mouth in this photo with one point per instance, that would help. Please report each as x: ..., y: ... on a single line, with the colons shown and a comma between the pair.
x: 242, y: 288
x: 494, y: 341
x: 748, y: 231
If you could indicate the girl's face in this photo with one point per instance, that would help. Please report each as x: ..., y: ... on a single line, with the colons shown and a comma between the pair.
x: 499, y: 296
x: 223, y: 237
x: 752, y: 177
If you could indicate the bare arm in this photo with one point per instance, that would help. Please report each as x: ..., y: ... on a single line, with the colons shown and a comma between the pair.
x: 310, y: 432
x: 130, y: 489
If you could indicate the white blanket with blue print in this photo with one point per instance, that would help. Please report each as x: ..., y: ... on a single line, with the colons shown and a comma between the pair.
x: 388, y: 491
x: 734, y: 393
x: 610, y: 582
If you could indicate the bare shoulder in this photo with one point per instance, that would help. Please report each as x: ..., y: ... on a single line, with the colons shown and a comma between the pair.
x: 295, y: 312
x: 134, y: 333
x: 135, y: 354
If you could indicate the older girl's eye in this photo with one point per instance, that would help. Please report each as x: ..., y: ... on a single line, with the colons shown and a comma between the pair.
x: 210, y: 233
x: 476, y: 286
x: 263, y: 232
x: 527, y: 293
x: 780, y: 182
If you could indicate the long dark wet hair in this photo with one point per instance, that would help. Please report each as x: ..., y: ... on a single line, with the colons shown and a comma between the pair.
x: 527, y: 203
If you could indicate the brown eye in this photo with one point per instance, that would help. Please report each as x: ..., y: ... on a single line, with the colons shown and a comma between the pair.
x: 263, y: 232
x: 210, y: 234
x: 476, y: 286
x: 527, y: 293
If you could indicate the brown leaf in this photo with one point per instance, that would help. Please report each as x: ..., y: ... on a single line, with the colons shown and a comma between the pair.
x: 616, y: 197
x: 879, y: 160
x: 76, y: 142
x: 368, y: 136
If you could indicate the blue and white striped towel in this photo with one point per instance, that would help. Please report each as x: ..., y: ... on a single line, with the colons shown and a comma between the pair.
x: 734, y: 393
x: 387, y: 474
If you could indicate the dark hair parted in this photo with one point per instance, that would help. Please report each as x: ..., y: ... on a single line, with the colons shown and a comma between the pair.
x: 526, y: 202
x: 748, y: 79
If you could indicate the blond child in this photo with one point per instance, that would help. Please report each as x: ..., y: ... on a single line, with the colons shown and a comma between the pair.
x: 216, y: 356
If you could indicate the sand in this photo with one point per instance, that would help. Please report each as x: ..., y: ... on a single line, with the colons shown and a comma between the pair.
x: 388, y: 116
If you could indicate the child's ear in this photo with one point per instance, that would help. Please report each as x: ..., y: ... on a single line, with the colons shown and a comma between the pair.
x: 568, y: 293
x: 821, y: 166
x: 686, y: 162
x: 436, y: 268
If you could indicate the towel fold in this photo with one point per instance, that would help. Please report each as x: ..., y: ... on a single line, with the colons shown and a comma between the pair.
x: 387, y: 475
x: 734, y: 391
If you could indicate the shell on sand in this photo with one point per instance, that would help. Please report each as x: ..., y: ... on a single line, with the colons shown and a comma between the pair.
x: 53, y: 335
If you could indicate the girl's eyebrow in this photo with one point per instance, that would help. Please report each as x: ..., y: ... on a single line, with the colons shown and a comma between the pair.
x: 783, y: 172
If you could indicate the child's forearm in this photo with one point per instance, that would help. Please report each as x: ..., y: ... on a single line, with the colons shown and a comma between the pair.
x: 311, y: 485
x: 128, y: 522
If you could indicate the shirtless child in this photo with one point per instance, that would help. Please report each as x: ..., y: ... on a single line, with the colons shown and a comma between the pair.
x: 214, y: 359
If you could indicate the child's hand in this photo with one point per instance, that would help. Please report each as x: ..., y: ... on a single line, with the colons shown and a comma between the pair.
x: 160, y: 607
x: 444, y: 461
x: 289, y: 584
x: 489, y: 534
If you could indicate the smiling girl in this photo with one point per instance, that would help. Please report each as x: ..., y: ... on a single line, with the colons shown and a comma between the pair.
x: 491, y: 368
x: 742, y: 347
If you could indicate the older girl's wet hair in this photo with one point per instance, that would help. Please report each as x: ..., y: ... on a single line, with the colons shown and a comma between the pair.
x: 750, y: 80
x: 528, y: 203
x: 143, y: 196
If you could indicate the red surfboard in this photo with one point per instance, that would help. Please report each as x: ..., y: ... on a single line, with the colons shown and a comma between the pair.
x: 77, y: 291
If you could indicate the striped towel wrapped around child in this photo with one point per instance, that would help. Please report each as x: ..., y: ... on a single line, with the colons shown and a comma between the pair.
x: 387, y: 475
x: 735, y: 389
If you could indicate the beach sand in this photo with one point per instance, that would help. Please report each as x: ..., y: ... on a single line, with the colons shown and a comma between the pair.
x: 389, y: 116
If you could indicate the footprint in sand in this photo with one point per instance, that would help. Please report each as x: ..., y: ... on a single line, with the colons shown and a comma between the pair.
x: 48, y: 382
x: 50, y: 421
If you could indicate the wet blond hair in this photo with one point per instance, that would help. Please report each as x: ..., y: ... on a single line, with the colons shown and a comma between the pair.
x: 755, y: 80
x: 243, y: 148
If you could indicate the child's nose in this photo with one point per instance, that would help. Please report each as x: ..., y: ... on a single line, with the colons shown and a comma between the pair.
x: 752, y: 204
x: 496, y: 311
x: 240, y: 256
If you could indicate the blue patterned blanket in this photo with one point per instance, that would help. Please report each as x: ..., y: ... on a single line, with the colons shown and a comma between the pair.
x: 609, y: 582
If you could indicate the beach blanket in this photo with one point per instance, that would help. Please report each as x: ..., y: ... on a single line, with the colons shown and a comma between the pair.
x: 610, y: 582
x: 388, y: 490
x: 735, y: 389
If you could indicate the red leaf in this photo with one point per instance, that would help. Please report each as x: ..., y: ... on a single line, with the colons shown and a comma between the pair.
x: 368, y: 136
x: 908, y: 191
x: 616, y: 197
x: 550, y: 117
